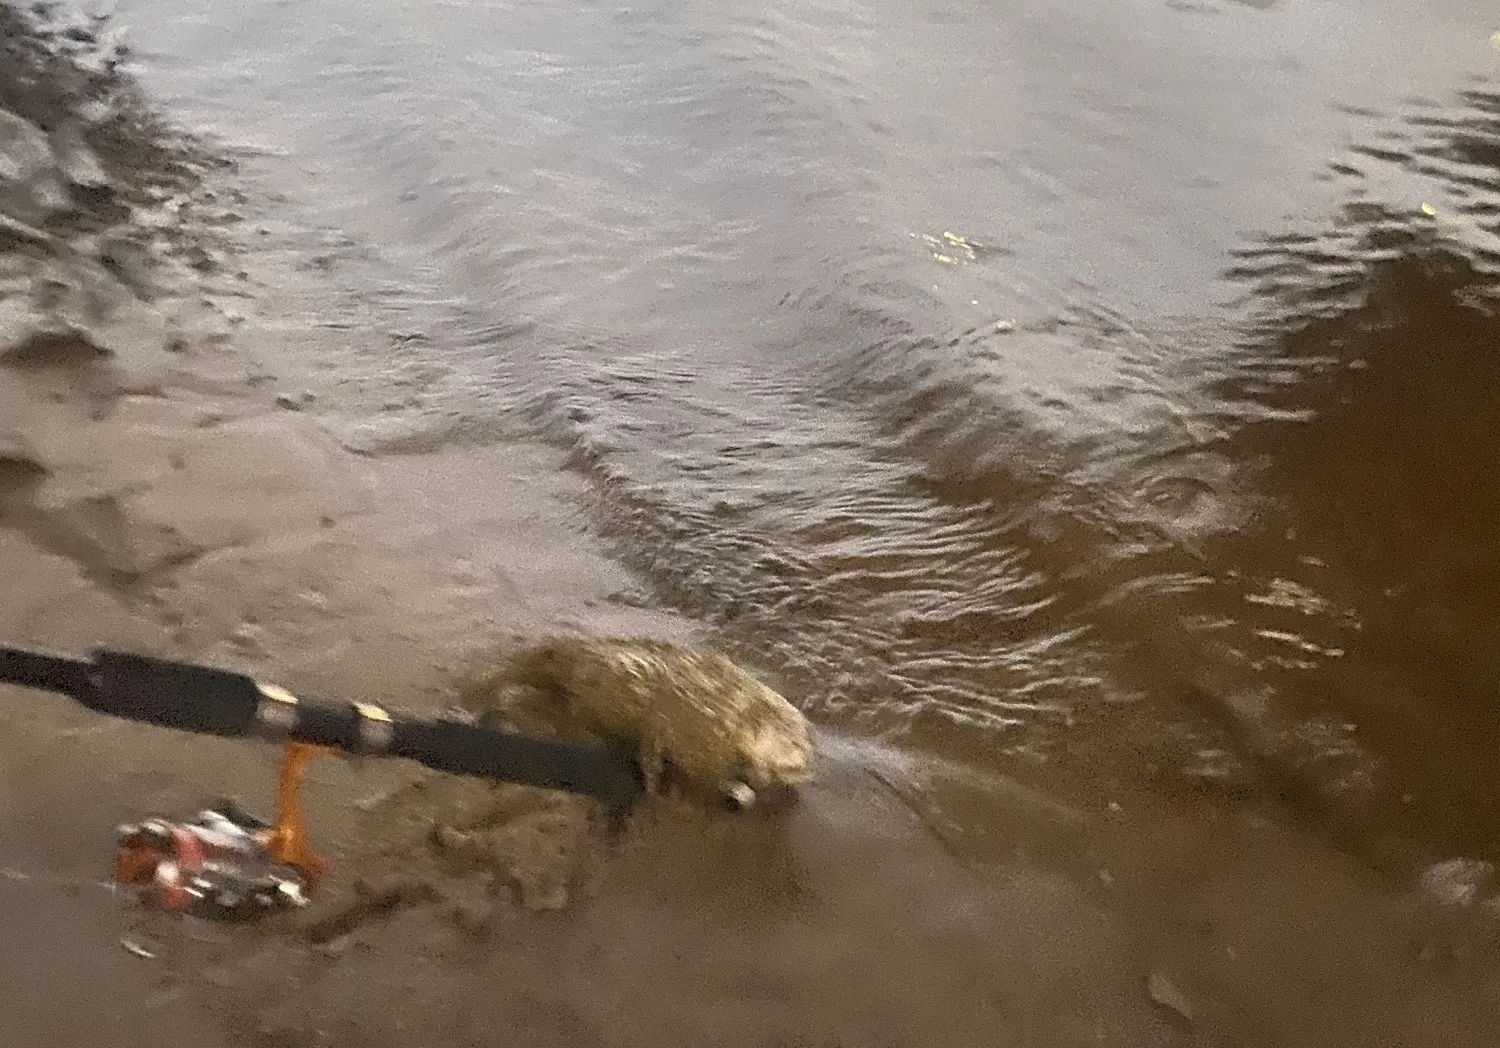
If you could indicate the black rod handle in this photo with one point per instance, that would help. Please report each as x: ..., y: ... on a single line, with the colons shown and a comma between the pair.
x: 35, y: 669
x: 177, y: 695
x: 209, y: 701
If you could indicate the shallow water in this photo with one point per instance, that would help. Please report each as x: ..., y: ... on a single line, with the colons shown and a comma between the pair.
x: 1103, y: 396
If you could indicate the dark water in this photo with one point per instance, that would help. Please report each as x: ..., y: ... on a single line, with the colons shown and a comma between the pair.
x: 1079, y: 391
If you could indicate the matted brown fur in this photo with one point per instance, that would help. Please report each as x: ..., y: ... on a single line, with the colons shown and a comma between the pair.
x: 694, y: 708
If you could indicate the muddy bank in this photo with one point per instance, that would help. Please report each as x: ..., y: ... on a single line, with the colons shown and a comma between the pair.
x: 189, y: 469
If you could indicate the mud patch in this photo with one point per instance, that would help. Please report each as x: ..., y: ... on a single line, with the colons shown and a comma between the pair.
x: 534, y: 846
x: 92, y: 141
x: 21, y: 467
x: 47, y: 350
x: 110, y: 543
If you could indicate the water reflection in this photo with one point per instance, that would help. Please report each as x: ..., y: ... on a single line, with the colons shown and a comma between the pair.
x: 1378, y: 351
x: 1223, y: 569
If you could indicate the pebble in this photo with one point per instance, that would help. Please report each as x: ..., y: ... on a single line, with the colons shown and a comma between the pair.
x: 136, y: 948
x: 1164, y: 992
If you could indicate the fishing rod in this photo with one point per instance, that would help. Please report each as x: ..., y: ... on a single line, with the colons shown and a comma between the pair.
x: 227, y: 861
x: 208, y: 701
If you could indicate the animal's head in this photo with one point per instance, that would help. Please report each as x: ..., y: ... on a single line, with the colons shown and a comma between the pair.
x: 778, y: 752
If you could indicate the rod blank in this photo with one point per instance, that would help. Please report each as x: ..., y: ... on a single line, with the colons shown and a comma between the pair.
x: 208, y: 701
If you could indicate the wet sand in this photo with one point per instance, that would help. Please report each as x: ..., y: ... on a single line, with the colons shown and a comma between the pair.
x: 857, y: 918
x: 205, y: 493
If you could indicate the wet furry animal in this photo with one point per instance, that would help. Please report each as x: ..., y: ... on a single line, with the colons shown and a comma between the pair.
x: 694, y: 709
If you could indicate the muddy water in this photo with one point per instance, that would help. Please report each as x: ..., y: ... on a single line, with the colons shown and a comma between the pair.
x: 1105, y: 396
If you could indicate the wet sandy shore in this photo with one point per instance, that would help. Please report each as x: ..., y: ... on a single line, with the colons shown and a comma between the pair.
x: 182, y: 472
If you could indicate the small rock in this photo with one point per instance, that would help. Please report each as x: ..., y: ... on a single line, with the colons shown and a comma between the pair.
x: 47, y: 346
x: 31, y: 186
x: 77, y: 161
x: 289, y: 402
x: 1458, y: 882
x: 20, y: 465
x: 1164, y: 992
